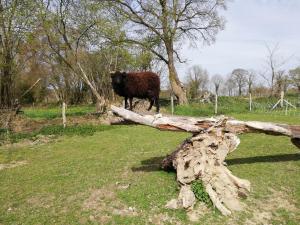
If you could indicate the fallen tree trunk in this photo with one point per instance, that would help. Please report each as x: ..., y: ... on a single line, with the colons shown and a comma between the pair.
x: 202, y: 156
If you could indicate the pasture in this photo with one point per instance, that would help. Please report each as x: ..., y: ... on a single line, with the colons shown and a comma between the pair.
x: 101, y: 174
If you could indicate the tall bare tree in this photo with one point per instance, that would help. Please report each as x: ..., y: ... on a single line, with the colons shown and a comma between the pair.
x: 250, y: 80
x: 240, y: 78
x: 161, y: 25
x: 273, y: 63
x: 217, y: 81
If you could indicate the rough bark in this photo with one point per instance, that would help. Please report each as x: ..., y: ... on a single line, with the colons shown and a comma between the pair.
x: 6, y: 82
x: 175, y: 83
x: 202, y: 156
x: 101, y: 103
x: 176, y: 86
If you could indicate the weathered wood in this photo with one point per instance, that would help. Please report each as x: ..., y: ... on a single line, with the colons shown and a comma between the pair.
x: 63, y: 111
x: 196, y: 125
x: 250, y: 102
x: 174, y: 123
x: 216, y: 104
x: 202, y: 156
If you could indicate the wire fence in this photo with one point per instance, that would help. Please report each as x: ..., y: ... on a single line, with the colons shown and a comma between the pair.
x: 286, y: 109
x: 234, y: 105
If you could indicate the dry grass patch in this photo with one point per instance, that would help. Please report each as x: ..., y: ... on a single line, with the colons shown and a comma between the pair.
x: 266, y: 210
x: 12, y: 164
x: 103, y: 204
x: 44, y: 201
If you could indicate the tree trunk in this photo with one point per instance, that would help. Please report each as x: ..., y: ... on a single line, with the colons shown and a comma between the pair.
x: 177, y: 88
x: 101, y: 103
x: 6, y: 83
x: 202, y: 156
x: 272, y: 79
x: 240, y: 90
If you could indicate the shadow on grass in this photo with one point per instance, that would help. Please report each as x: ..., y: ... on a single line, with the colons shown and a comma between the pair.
x: 149, y: 165
x: 154, y: 164
x: 123, y: 122
x: 265, y: 159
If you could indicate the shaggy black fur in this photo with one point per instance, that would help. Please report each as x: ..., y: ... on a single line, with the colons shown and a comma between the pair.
x: 143, y: 85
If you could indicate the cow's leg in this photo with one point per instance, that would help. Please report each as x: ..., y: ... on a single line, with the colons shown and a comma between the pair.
x: 126, y: 102
x: 130, y: 103
x: 151, y: 103
x: 157, y: 104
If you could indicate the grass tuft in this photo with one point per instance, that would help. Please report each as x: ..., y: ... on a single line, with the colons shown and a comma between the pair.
x: 200, y: 193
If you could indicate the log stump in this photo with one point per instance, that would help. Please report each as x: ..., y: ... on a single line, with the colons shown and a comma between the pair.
x: 202, y: 157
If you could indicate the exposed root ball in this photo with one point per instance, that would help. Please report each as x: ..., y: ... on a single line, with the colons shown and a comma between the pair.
x: 202, y: 157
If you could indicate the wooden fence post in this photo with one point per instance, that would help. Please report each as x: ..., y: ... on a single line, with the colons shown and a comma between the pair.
x: 64, y: 114
x: 216, y: 104
x: 172, y: 104
x: 250, y: 102
x: 281, y: 98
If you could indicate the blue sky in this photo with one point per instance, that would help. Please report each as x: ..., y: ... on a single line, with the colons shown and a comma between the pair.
x: 250, y: 24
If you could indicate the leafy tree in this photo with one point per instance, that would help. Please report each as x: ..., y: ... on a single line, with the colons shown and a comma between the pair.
x: 197, y: 79
x: 294, y: 75
x: 162, y: 26
x: 282, y: 82
x: 71, y: 28
x: 240, y: 76
x: 230, y: 85
x: 16, y: 21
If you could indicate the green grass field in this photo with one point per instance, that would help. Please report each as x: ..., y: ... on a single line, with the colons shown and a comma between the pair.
x: 112, y: 176
x: 52, y: 112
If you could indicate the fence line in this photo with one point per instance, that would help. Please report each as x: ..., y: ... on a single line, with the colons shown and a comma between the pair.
x: 228, y: 105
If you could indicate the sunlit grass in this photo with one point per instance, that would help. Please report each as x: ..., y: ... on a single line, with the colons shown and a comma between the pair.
x: 55, y: 111
x: 60, y: 176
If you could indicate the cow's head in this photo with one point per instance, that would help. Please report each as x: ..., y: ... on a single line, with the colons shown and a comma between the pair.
x: 118, y: 77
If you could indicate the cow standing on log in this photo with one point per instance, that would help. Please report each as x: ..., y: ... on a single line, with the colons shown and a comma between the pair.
x: 143, y: 85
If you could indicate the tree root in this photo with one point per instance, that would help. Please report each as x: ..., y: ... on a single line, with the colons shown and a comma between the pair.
x: 202, y: 157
